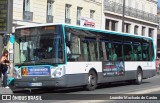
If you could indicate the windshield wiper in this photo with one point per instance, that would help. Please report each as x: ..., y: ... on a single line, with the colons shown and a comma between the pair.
x: 25, y: 63
x: 46, y: 63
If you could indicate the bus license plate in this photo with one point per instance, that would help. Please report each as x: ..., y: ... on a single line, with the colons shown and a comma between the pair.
x: 35, y: 84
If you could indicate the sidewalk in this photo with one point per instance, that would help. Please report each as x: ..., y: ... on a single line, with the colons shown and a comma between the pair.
x: 5, y: 90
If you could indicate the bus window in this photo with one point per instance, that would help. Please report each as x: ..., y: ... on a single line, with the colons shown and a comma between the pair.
x: 73, y: 48
x: 104, y: 49
x: 145, y: 51
x: 151, y: 51
x: 137, y: 51
x: 117, y: 51
x: 75, y: 45
x: 127, y: 49
x: 90, y: 49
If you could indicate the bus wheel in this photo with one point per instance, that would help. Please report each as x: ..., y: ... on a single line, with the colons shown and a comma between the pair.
x: 92, y: 81
x: 139, y: 77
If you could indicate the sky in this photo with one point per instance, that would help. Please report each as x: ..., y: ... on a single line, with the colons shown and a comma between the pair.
x: 159, y: 3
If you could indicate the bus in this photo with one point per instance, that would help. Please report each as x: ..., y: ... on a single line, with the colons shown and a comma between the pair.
x: 63, y: 55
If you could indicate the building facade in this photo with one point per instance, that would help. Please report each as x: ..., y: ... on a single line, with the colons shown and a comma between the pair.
x: 158, y: 33
x: 57, y: 11
x: 139, y: 17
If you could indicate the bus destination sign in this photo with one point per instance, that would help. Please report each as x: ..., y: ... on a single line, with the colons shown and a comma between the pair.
x: 6, y: 11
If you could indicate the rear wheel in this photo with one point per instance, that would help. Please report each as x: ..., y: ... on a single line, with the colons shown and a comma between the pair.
x: 92, y: 81
x: 139, y: 77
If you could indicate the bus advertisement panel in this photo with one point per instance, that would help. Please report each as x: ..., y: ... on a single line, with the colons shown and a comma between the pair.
x: 113, y: 68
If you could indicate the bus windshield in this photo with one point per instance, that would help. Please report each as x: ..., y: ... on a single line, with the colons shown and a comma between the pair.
x: 40, y: 45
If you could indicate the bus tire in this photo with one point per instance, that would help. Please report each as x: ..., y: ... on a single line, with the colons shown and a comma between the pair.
x: 139, y: 77
x: 92, y: 81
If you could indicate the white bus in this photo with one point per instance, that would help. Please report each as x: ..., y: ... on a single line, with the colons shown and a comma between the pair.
x: 62, y: 55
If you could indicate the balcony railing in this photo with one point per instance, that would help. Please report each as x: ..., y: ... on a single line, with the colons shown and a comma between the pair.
x: 27, y: 16
x: 129, y: 11
x: 67, y: 20
x: 49, y: 19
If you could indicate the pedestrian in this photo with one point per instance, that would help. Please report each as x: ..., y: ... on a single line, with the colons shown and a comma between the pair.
x: 0, y: 76
x: 157, y: 65
x: 4, y: 67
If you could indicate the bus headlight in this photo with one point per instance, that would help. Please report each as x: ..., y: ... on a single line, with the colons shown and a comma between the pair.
x: 17, y: 73
x: 57, y: 72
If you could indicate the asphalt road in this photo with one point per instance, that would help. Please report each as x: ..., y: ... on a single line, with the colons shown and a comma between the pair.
x: 102, y: 94
x: 148, y: 86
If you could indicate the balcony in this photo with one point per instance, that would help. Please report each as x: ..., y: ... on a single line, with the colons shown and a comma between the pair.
x: 67, y: 20
x: 129, y: 11
x: 27, y: 16
x: 49, y: 19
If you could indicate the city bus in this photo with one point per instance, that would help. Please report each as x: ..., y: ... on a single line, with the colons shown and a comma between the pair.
x: 63, y: 55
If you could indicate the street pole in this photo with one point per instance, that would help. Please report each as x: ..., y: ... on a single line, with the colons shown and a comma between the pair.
x: 123, y: 15
x: 1, y: 44
x: 1, y: 48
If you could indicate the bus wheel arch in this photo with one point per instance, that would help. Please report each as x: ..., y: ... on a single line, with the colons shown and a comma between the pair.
x: 92, y: 79
x: 139, y: 76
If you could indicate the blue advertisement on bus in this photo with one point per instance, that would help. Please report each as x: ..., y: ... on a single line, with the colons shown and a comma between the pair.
x: 113, y: 68
x: 39, y: 70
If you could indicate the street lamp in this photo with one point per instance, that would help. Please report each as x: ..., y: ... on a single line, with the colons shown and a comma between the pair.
x: 123, y: 15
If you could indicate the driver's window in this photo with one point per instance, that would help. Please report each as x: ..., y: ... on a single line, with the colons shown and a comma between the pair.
x: 73, y: 47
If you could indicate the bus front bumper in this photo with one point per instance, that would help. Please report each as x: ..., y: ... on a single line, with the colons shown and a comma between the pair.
x: 40, y: 82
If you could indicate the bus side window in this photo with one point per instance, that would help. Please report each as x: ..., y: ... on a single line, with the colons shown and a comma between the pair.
x: 85, y: 51
x: 90, y: 49
x: 127, y: 51
x: 73, y: 47
x: 145, y: 52
x: 137, y: 51
x: 117, y: 52
x: 105, y: 50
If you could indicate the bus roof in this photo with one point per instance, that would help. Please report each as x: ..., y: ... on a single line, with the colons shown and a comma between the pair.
x: 85, y: 28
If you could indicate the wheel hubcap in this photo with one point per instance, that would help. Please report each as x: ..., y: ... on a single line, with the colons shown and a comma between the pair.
x: 91, y: 80
x: 139, y: 77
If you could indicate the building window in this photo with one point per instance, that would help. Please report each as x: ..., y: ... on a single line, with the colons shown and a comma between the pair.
x: 92, y: 14
x: 27, y: 15
x: 129, y: 3
x: 49, y: 7
x: 136, y: 30
x: 143, y: 7
x: 143, y: 30
x: 136, y: 5
x: 67, y: 13
x: 120, y: 1
x: 26, y: 5
x: 127, y: 27
x: 151, y: 32
x: 49, y: 11
x: 111, y: 25
x: 79, y: 9
x: 151, y: 10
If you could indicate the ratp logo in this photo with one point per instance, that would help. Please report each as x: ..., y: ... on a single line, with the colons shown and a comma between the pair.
x: 6, y: 97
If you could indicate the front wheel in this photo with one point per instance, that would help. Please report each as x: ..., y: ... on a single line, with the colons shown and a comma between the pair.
x: 139, y: 77
x: 92, y: 81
